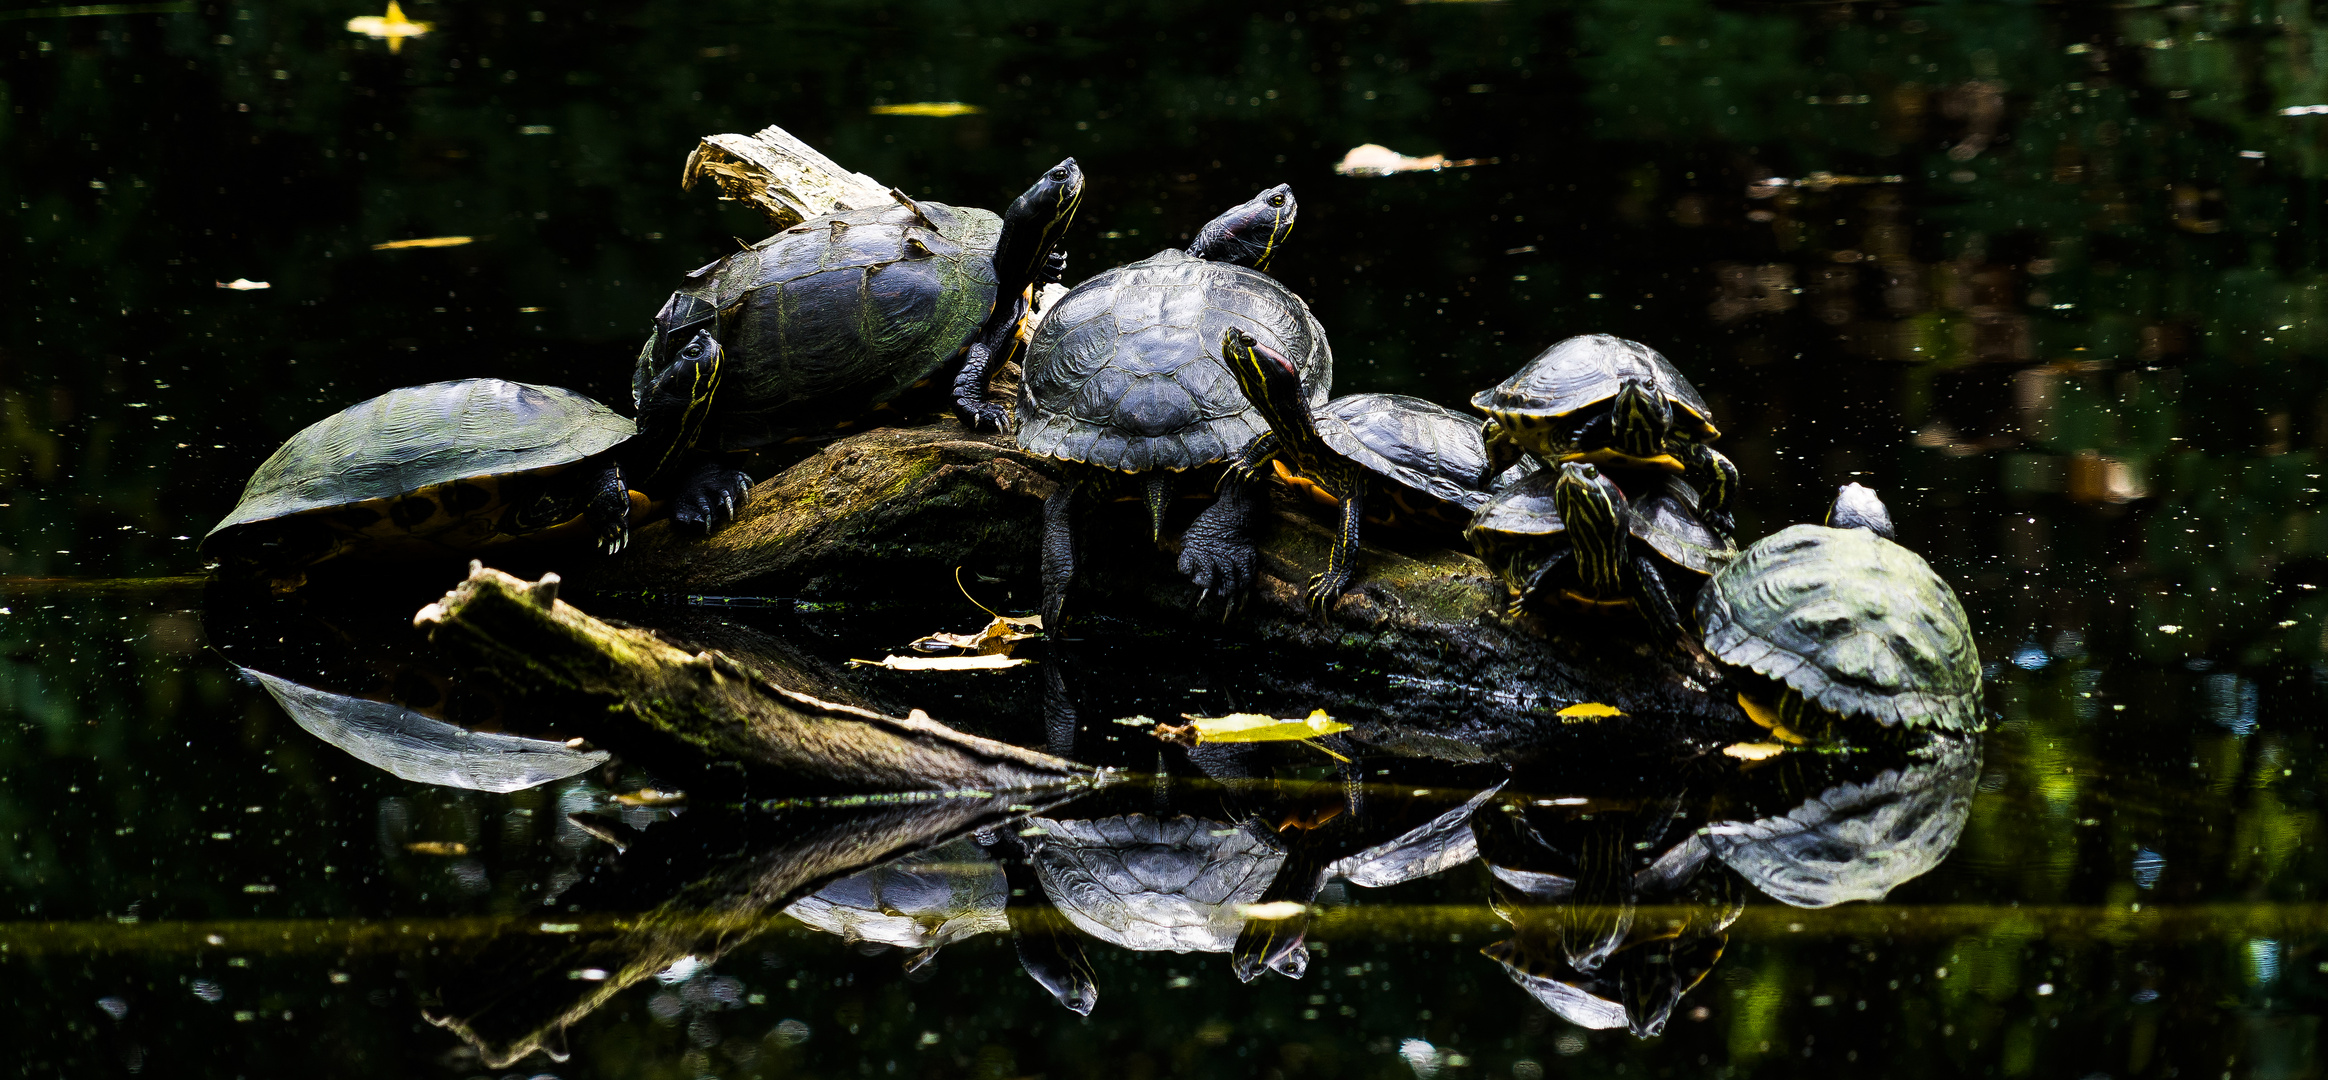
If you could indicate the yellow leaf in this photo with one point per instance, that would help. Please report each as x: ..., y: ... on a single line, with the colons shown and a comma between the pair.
x: 987, y: 662
x: 1588, y: 710
x: 1254, y: 727
x: 244, y: 284
x: 996, y: 639
x: 393, y: 26
x: 1272, y: 911
x: 425, y: 242
x: 940, y: 109
x: 648, y: 796
x: 437, y: 847
x: 1754, y: 751
x: 1374, y: 159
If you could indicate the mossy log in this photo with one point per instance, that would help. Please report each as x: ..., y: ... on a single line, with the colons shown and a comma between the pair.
x: 682, y: 712
x: 1420, y: 632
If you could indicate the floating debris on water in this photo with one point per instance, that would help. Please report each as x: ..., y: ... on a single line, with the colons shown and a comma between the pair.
x: 997, y: 639
x: 392, y: 26
x: 437, y: 847
x: 1769, y: 186
x: 1754, y: 751
x: 2305, y: 110
x: 939, y: 109
x: 425, y: 242
x: 1374, y: 159
x: 244, y: 284
x: 987, y: 662
x: 651, y: 797
x: 1252, y: 727
x: 1588, y: 710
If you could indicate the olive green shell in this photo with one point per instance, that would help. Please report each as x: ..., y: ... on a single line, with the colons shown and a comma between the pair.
x: 419, y: 436
x: 1581, y: 372
x: 1125, y: 372
x: 1420, y: 444
x: 1858, y: 625
x: 833, y: 316
x: 1519, y: 526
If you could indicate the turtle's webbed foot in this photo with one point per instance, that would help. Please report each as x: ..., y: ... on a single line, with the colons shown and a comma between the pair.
x: 1216, y: 553
x: 1053, y: 271
x: 984, y: 416
x: 614, y: 536
x: 970, y: 390
x: 712, y: 494
x: 1325, y: 588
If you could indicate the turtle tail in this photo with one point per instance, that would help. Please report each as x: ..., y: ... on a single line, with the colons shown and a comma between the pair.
x: 1159, y: 497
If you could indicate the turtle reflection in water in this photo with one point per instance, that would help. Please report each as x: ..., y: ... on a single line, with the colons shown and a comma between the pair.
x: 450, y: 467
x: 920, y: 903
x: 1833, y: 622
x: 1123, y: 385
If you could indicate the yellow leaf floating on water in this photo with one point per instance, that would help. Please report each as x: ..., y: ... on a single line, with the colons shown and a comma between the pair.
x: 425, y: 242
x: 940, y: 109
x: 987, y: 662
x: 1273, y: 911
x: 1754, y: 751
x: 1249, y: 727
x: 1588, y: 710
x: 393, y: 26
x: 648, y: 796
x: 244, y: 284
x: 1374, y: 159
x: 437, y: 847
x: 996, y: 640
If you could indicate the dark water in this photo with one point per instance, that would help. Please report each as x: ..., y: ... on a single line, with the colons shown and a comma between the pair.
x: 2047, y: 276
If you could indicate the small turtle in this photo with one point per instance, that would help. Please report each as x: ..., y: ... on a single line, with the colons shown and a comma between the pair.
x: 450, y: 467
x: 1122, y: 383
x: 1614, y: 402
x: 843, y: 312
x: 1873, y: 823
x: 1841, y: 622
x: 1381, y: 450
x: 1571, y: 530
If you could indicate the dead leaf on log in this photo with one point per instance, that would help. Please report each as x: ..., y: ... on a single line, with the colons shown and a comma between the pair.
x: 988, y: 662
x: 996, y: 639
x: 1252, y: 727
x: 1587, y: 710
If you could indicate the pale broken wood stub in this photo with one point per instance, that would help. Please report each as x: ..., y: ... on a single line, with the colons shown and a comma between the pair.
x: 783, y: 178
x: 631, y: 691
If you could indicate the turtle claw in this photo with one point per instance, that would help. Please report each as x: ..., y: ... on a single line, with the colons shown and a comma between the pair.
x: 711, y: 497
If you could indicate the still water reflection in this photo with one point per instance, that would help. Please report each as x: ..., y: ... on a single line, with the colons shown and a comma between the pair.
x: 2048, y: 277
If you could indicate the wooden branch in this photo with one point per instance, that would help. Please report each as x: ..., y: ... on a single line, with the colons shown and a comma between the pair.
x: 783, y: 178
x: 630, y: 691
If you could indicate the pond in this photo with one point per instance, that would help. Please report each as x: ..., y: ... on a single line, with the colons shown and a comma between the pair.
x: 2047, y: 277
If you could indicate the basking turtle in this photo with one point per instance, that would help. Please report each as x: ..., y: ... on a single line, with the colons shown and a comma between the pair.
x: 1121, y: 380
x: 1384, y: 450
x: 1841, y: 623
x: 843, y: 312
x: 1615, y: 402
x: 1571, y: 529
x: 448, y: 467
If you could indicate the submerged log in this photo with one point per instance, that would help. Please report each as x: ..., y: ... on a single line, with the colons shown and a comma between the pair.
x: 1421, y: 630
x: 682, y: 712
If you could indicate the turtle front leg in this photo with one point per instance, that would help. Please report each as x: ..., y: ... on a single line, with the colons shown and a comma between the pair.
x: 1342, y: 562
x: 1276, y: 944
x: 1217, y: 551
x: 1051, y: 952
x: 608, y: 511
x: 1656, y: 601
x: 1052, y: 270
x: 1058, y: 553
x: 1257, y: 456
x: 1502, y: 450
x: 1716, y: 479
x: 992, y: 345
x: 711, y: 493
x: 1537, y: 580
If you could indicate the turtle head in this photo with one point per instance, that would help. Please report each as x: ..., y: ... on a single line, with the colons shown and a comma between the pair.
x: 1272, y: 383
x: 1249, y: 234
x: 1640, y: 417
x: 1857, y: 507
x: 1598, y: 520
x: 1047, y: 207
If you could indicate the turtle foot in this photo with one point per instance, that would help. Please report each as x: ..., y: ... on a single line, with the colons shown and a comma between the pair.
x: 714, y: 491
x: 983, y: 415
x: 1219, y: 559
x: 1325, y: 588
x: 613, y: 538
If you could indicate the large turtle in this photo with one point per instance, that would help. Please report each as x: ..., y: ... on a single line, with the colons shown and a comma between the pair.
x: 1387, y: 451
x: 1123, y: 381
x: 1572, y: 530
x: 1872, y: 825
x: 1840, y: 622
x: 449, y: 467
x: 1613, y: 402
x: 843, y: 312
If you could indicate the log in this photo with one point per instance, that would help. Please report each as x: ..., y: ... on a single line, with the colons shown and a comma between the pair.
x: 1418, y: 645
x: 783, y: 178
x: 681, y: 712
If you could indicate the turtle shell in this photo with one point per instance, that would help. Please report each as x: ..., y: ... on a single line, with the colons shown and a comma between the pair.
x: 1566, y: 381
x: 1125, y: 372
x: 1518, y: 526
x: 1857, y: 839
x: 923, y: 901
x: 833, y: 316
x: 425, y: 460
x: 420, y: 748
x: 1858, y: 625
x: 1420, y: 444
x: 1152, y: 884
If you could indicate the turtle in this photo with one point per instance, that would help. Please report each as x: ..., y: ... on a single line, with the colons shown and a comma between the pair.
x: 1570, y: 529
x: 920, y: 903
x: 842, y: 313
x: 1610, y: 401
x: 448, y: 467
x: 1356, y: 451
x: 1838, y: 622
x: 1122, y: 381
x: 412, y: 745
x: 1873, y: 824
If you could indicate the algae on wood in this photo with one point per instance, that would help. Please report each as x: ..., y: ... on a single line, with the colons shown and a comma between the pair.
x: 630, y: 691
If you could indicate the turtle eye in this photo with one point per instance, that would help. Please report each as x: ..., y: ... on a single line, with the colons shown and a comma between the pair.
x: 1277, y: 200
x: 1059, y: 176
